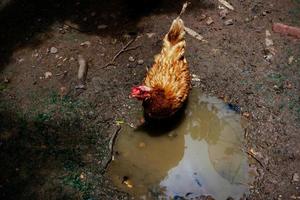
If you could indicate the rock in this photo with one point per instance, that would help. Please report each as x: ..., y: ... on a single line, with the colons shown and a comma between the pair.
x: 102, y: 26
x: 47, y: 75
x: 268, y: 34
x: 228, y: 22
x: 202, y: 17
x: 82, y: 69
x: 6, y: 80
x: 131, y: 59
x: 269, y: 42
x: 150, y: 35
x: 86, y: 43
x: 246, y: 114
x: 290, y: 60
x: 53, y: 50
x: 223, y: 13
x: 209, y: 21
x: 140, y: 62
x: 296, y: 177
x: 264, y: 13
x: 142, y: 145
x: 247, y: 19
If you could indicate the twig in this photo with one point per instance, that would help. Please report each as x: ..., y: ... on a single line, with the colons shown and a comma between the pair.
x: 255, y: 158
x: 111, y: 148
x: 124, y: 49
x: 194, y: 34
x: 183, y: 8
x: 62, y: 73
x: 73, y: 27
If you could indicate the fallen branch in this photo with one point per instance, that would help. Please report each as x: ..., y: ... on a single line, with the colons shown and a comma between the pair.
x: 287, y: 30
x: 124, y: 49
x: 111, y: 148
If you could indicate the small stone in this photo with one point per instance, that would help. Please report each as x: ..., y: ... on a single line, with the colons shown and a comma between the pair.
x: 63, y: 91
x: 268, y: 34
x: 246, y: 114
x: 209, y: 21
x: 202, y: 17
x: 53, y: 50
x: 142, y: 145
x: 91, y: 113
x: 6, y: 80
x: 47, y: 74
x: 296, y: 177
x: 290, y: 60
x: 150, y: 35
x: 264, y: 13
x: 82, y: 176
x: 269, y: 42
x: 228, y: 22
x: 247, y: 19
x: 102, y: 26
x: 86, y: 43
x: 140, y: 62
x: 223, y: 13
x: 131, y: 59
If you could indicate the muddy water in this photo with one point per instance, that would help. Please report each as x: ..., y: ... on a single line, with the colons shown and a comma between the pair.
x: 199, y: 153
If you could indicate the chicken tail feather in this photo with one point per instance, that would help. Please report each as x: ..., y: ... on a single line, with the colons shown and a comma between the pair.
x: 176, y: 32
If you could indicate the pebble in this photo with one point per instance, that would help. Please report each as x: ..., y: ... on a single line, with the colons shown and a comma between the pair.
x: 53, y: 50
x: 223, y: 13
x: 142, y: 145
x: 228, y: 22
x: 150, y: 35
x: 140, y: 62
x: 209, y: 21
x: 290, y: 60
x: 102, y: 26
x: 86, y: 43
x: 131, y: 59
x: 202, y: 17
x: 6, y: 80
x: 47, y: 74
x: 296, y: 177
x: 247, y: 20
x: 269, y: 42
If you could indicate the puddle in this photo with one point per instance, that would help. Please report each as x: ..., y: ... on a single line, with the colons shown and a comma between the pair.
x: 200, y: 154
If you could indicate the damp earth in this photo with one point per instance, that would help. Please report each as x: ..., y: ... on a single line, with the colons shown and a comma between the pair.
x: 197, y: 154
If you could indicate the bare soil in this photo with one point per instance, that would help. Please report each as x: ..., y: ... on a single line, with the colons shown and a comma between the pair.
x: 54, y: 139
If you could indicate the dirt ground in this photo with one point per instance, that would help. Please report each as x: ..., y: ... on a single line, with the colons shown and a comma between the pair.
x: 54, y: 138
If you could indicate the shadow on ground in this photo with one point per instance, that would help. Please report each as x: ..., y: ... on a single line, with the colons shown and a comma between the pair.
x: 22, y: 21
x: 47, y: 154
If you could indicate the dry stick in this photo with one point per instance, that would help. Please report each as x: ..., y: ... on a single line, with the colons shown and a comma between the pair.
x: 183, y: 8
x: 111, y: 148
x: 255, y: 158
x: 124, y: 49
x: 75, y: 28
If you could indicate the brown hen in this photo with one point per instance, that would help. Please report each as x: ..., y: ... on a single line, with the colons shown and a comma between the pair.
x: 167, y: 83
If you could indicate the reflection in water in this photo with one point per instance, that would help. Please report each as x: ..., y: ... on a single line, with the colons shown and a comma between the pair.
x: 200, y: 156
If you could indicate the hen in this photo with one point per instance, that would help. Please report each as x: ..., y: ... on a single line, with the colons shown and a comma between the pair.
x: 167, y: 84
